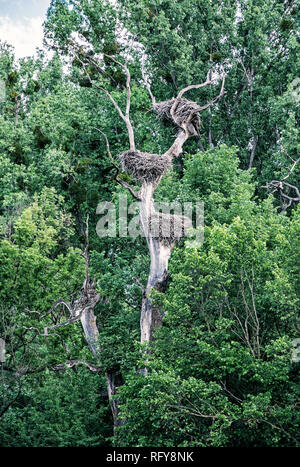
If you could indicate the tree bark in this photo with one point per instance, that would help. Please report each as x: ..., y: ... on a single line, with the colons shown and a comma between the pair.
x: 151, y: 316
x: 113, y: 381
x: 253, y: 151
x: 88, y: 321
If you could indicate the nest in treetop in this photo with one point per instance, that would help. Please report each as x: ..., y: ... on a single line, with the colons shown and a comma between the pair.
x: 168, y: 228
x: 144, y: 166
x: 185, y: 112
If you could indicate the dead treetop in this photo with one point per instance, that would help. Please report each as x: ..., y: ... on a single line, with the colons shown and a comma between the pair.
x: 181, y: 112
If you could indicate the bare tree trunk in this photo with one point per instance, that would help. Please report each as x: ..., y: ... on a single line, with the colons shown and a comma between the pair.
x: 253, y: 151
x: 158, y: 263
x: 113, y: 378
x: 113, y: 381
x: 17, y: 101
x: 151, y: 317
x: 88, y: 321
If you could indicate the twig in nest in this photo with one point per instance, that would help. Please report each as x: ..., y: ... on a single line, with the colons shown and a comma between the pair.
x: 144, y: 166
x: 117, y: 178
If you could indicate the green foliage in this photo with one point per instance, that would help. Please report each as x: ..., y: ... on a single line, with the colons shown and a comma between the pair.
x: 253, y: 37
x: 220, y: 368
x: 221, y: 372
x: 50, y: 414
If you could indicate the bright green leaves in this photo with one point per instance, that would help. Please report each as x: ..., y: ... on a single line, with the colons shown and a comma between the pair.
x: 214, y: 178
x: 46, y: 121
x: 94, y: 21
x: 221, y: 368
x: 61, y: 25
x: 56, y: 416
x: 37, y: 265
x: 41, y: 224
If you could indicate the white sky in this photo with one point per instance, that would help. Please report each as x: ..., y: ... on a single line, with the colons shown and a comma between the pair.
x: 21, y: 24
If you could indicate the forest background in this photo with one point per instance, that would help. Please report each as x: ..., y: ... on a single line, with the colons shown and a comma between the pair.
x: 223, y: 367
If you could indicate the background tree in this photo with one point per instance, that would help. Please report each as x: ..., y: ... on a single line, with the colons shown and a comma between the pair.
x: 220, y: 368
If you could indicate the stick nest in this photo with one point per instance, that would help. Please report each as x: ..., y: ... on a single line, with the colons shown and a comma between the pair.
x: 144, y: 166
x: 185, y: 113
x: 168, y: 228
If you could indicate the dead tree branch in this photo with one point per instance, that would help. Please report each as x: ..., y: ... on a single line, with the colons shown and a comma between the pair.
x: 185, y: 114
x: 73, y: 363
x: 284, y: 189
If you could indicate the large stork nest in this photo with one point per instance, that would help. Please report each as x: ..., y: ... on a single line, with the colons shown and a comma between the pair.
x: 144, y: 166
x: 185, y: 113
x: 168, y: 228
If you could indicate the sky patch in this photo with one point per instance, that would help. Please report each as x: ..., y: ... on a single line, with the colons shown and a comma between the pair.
x: 21, y: 24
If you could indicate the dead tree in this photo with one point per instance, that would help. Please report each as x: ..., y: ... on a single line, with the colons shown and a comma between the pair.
x: 288, y: 193
x: 162, y: 231
x: 83, y: 309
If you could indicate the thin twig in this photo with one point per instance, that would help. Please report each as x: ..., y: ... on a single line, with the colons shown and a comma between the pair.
x: 117, y: 178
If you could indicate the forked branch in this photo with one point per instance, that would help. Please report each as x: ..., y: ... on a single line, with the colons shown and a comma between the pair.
x: 73, y: 363
x: 207, y: 82
x: 185, y: 114
x: 285, y: 189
